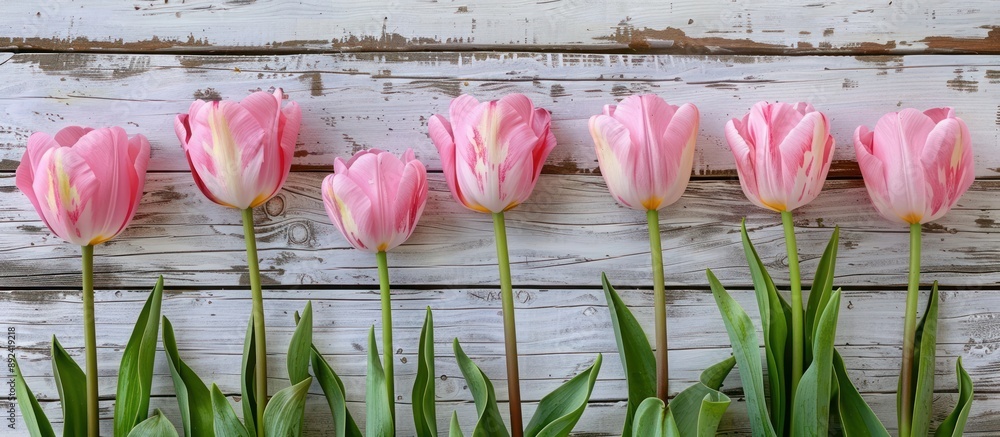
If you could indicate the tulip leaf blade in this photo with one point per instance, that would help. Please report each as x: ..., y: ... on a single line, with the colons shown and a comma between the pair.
x: 31, y: 411
x: 285, y: 412
x: 154, y: 426
x: 775, y: 315
x: 559, y: 411
x: 924, y: 356
x: 191, y: 392
x: 489, y: 422
x: 954, y: 424
x: 299, y: 349
x: 424, y: 411
x: 811, y: 414
x: 743, y: 337
x: 135, y: 373
x: 698, y: 409
x: 72, y: 386
x: 333, y: 389
x: 454, y: 430
x: 377, y: 407
x: 248, y: 381
x: 822, y: 286
x: 856, y: 418
x: 638, y: 361
x: 654, y: 419
x: 226, y: 424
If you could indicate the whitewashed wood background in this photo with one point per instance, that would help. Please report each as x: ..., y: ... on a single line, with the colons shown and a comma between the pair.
x: 368, y: 74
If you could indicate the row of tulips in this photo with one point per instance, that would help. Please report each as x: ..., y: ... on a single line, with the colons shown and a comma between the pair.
x: 87, y: 183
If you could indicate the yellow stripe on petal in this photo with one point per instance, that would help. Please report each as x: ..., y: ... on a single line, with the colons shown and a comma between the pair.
x: 62, y: 195
x: 652, y: 203
x: 912, y: 218
x: 777, y: 206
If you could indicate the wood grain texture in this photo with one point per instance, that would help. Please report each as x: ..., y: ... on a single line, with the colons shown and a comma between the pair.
x: 682, y: 26
x: 561, y: 331
x: 566, y: 234
x: 383, y: 100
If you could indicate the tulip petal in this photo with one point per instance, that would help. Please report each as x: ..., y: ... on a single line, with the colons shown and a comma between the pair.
x: 908, y: 129
x: 945, y: 159
x: 678, y: 156
x: 106, y: 153
x: 612, y: 142
x: 410, y: 198
x: 441, y: 135
x: 806, y: 154
x: 744, y: 155
x: 68, y: 136
x: 873, y: 172
x: 65, y: 185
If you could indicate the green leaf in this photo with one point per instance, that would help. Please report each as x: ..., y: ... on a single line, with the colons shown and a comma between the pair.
x: 489, y: 422
x: 135, y: 373
x: 72, y: 385
x: 454, y: 430
x: 297, y: 360
x: 378, y: 413
x: 954, y: 424
x: 699, y: 408
x: 811, y: 413
x: 924, y: 351
x: 653, y: 419
x: 248, y: 382
x: 822, y: 287
x: 32, y: 413
x: 192, y: 394
x: 226, y: 423
x: 775, y: 316
x: 155, y: 426
x: 333, y: 390
x: 424, y: 411
x: 285, y: 412
x: 634, y: 351
x: 746, y: 349
x: 856, y: 418
x: 559, y: 411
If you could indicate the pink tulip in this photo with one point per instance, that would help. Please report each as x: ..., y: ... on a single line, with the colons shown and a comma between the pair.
x: 240, y: 152
x: 645, y: 148
x: 783, y: 154
x: 492, y: 152
x: 916, y: 164
x: 376, y: 199
x: 85, y: 183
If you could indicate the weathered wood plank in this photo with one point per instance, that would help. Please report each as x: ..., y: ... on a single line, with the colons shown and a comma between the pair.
x: 568, y: 232
x: 567, y: 328
x: 682, y: 26
x: 383, y: 100
x: 601, y: 419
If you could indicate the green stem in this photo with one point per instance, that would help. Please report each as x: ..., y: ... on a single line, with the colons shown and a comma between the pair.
x: 383, y: 280
x: 509, y: 332
x: 260, y: 342
x: 660, y: 305
x: 90, y: 340
x: 909, y: 335
x: 798, y: 341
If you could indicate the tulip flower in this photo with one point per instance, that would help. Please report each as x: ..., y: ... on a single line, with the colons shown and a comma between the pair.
x: 375, y: 200
x: 916, y: 165
x: 783, y: 153
x: 85, y: 184
x: 645, y: 148
x: 240, y: 154
x: 492, y: 155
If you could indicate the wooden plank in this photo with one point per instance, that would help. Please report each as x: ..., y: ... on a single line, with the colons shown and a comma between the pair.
x: 561, y: 332
x: 383, y: 100
x: 568, y: 232
x: 601, y: 419
x: 683, y: 26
